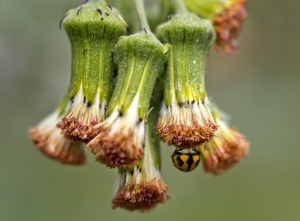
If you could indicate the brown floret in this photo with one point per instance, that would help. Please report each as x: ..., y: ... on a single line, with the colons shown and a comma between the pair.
x: 228, y: 25
x: 55, y: 146
x: 224, y: 151
x: 143, y: 196
x: 118, y: 149
x: 76, y: 130
x: 186, y: 136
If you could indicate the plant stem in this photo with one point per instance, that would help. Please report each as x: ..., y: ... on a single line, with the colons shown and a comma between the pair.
x: 179, y: 6
x: 141, y: 14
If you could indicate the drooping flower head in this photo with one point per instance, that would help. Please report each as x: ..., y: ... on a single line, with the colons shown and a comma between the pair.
x: 93, y: 29
x: 226, y: 149
x: 121, y: 135
x: 138, y: 192
x: 142, y: 188
x: 185, y: 119
x: 120, y: 139
x: 51, y: 142
x: 227, y: 17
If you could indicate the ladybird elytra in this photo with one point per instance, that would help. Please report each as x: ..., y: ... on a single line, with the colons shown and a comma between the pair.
x: 186, y: 162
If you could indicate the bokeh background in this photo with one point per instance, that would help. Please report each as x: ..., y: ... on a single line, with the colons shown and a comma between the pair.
x: 259, y: 88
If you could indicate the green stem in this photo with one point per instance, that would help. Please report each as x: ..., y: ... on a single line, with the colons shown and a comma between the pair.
x: 151, y: 137
x: 179, y: 7
x: 141, y: 14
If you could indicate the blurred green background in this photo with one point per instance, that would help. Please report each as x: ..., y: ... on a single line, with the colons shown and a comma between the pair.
x: 259, y: 88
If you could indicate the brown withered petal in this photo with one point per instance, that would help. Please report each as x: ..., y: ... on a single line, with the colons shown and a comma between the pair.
x: 142, y: 196
x: 228, y: 25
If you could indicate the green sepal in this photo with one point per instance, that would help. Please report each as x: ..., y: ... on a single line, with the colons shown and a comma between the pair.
x: 140, y: 57
x: 93, y: 29
x: 191, y: 38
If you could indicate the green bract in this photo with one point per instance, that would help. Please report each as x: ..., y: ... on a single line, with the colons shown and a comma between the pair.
x: 120, y: 138
x: 140, y: 57
x: 185, y: 119
x: 191, y: 38
x: 93, y: 30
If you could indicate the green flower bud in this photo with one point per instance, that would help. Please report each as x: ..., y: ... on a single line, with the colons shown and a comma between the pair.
x: 93, y: 30
x: 185, y: 120
x: 120, y: 140
x: 48, y: 138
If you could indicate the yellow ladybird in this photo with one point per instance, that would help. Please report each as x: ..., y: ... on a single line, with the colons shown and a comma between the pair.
x: 186, y: 162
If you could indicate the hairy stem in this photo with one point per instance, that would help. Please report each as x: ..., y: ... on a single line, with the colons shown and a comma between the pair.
x: 179, y: 6
x: 141, y: 14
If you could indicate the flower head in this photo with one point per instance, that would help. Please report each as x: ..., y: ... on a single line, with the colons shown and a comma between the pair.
x: 137, y: 192
x: 186, y: 125
x: 81, y: 116
x: 51, y: 142
x: 120, y: 139
x: 227, y: 17
x: 119, y: 142
x: 226, y: 149
x: 142, y: 187
x: 228, y: 25
x: 93, y: 29
x: 185, y: 120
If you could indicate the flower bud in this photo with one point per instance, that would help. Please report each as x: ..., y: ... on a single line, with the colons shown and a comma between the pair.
x: 121, y: 135
x: 227, y: 17
x: 52, y: 143
x: 93, y: 30
x: 185, y: 119
x: 226, y: 149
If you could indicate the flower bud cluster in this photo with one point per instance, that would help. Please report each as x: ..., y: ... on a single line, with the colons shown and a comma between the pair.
x: 158, y: 95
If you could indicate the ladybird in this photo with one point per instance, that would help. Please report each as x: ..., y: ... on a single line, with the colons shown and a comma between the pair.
x: 186, y: 162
